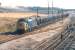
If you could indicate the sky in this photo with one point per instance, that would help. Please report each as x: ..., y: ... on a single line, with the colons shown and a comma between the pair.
x: 67, y: 4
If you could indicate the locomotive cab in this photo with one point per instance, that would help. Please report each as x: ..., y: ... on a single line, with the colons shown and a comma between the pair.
x: 22, y: 26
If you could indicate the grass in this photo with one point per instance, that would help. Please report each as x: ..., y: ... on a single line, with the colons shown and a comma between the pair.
x: 7, y: 24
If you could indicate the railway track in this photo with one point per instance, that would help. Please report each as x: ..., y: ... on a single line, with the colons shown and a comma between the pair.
x: 66, y: 44
x: 58, y: 40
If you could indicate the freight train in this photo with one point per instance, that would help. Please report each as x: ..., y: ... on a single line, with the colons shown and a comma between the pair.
x: 33, y: 22
x: 30, y: 23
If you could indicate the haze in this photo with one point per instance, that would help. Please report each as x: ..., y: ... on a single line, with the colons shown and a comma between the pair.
x: 67, y: 4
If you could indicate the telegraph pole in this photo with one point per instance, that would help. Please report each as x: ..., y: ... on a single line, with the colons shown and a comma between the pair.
x: 52, y: 11
x: 62, y: 16
x: 52, y: 7
x: 37, y: 11
x: 48, y: 7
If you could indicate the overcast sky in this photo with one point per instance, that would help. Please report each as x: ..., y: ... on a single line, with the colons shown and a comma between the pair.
x: 67, y: 4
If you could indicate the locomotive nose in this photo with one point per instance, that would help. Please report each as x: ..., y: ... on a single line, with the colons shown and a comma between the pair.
x: 21, y: 25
